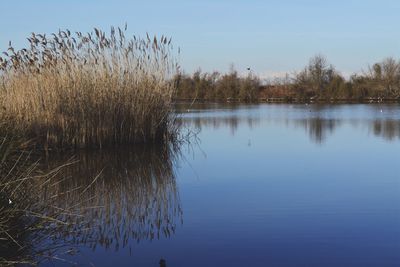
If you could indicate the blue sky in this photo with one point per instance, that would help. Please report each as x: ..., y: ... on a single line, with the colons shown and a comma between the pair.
x: 271, y: 37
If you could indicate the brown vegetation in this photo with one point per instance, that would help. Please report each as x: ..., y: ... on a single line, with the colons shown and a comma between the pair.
x: 94, y: 89
x: 318, y: 81
x: 216, y: 86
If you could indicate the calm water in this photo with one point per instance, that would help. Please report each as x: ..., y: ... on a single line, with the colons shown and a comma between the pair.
x: 265, y: 185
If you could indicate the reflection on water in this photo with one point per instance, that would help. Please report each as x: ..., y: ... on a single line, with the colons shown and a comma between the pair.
x: 388, y: 129
x: 269, y: 185
x: 318, y: 128
x: 319, y: 121
x: 232, y: 122
x: 120, y: 195
x: 295, y: 185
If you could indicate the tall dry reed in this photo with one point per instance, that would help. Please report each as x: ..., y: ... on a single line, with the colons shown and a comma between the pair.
x: 94, y: 89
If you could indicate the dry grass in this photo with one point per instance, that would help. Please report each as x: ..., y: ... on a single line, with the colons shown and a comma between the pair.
x: 25, y: 220
x: 89, y: 90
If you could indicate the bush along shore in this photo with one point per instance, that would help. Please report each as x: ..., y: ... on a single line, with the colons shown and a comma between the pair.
x: 89, y: 89
x: 319, y: 81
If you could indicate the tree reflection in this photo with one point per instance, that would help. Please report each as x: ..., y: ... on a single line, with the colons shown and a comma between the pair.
x: 388, y: 129
x: 231, y: 122
x: 318, y: 125
x: 318, y: 128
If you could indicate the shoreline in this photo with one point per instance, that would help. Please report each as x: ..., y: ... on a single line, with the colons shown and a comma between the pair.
x: 288, y: 100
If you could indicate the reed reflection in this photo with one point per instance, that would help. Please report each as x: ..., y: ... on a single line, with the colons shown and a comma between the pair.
x: 119, y: 195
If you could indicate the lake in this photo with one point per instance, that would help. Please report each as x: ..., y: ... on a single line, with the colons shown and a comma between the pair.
x: 259, y: 185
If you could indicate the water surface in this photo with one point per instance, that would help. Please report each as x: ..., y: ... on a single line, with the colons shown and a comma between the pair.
x: 265, y: 185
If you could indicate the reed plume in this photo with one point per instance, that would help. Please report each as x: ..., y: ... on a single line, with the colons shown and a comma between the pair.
x: 95, y: 89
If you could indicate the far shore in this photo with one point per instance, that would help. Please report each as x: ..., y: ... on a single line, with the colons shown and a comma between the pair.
x: 293, y: 100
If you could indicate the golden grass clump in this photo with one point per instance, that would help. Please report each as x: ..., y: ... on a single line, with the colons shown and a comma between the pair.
x: 94, y: 89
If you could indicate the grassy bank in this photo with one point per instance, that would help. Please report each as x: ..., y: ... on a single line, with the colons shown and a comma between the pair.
x: 89, y: 90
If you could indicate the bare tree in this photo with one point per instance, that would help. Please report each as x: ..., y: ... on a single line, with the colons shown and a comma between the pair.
x: 320, y: 72
x: 385, y: 77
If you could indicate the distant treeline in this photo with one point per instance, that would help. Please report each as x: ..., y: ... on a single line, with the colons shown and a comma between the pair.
x: 318, y: 81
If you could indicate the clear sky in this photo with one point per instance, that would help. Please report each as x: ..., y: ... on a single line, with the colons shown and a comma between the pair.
x: 271, y: 37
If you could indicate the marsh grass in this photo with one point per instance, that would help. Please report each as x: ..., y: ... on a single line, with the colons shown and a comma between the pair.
x: 24, y: 219
x: 89, y: 90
